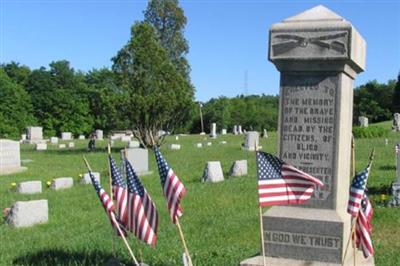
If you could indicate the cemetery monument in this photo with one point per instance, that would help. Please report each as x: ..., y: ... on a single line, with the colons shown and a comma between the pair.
x: 10, y: 158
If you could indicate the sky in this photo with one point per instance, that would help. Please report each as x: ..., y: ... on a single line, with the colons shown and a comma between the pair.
x: 227, y: 38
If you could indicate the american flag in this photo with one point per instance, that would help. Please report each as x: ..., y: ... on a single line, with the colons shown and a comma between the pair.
x: 364, y: 228
x: 281, y: 183
x: 172, y: 187
x: 119, y: 190
x: 357, y: 191
x: 142, y: 213
x: 107, y: 203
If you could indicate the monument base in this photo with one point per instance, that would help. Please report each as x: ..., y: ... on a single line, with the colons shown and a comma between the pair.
x: 12, y: 170
x: 144, y: 173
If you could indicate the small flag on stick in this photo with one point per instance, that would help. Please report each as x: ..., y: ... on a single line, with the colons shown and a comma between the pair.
x: 172, y: 187
x: 357, y: 191
x: 281, y: 183
x: 120, y: 191
x: 364, y: 228
x: 142, y: 213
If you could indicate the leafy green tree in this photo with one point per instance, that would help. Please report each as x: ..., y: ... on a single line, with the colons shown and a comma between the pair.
x: 16, y: 72
x: 157, y: 96
x: 15, y: 107
x: 396, y: 96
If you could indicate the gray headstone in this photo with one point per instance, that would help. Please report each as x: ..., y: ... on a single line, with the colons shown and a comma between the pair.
x: 223, y: 131
x: 29, y: 187
x: 398, y: 163
x: 28, y: 213
x: 363, y: 121
x: 62, y: 183
x: 213, y: 172
x: 34, y: 134
x: 239, y: 168
x: 99, y: 134
x: 139, y: 158
x: 251, y: 141
x: 174, y: 146
x: 396, y: 122
x: 66, y: 135
x: 213, y: 130
x: 85, y: 179
x: 10, y: 159
x: 41, y: 146
x: 54, y: 140
x: 319, y: 55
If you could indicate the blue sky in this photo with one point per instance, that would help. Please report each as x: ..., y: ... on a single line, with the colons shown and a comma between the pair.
x: 226, y: 38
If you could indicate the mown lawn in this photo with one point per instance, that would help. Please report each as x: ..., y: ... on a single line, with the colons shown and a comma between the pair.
x: 220, y: 220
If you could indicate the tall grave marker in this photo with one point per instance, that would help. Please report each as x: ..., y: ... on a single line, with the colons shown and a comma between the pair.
x: 319, y: 55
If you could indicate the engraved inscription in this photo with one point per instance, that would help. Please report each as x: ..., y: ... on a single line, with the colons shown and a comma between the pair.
x: 303, y: 240
x: 308, y: 128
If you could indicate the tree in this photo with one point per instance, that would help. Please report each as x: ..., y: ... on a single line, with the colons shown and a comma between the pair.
x: 17, y: 73
x: 15, y: 107
x: 396, y: 96
x: 169, y: 21
x: 157, y: 96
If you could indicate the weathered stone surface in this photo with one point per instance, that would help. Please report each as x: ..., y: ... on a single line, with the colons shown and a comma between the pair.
x: 41, y: 146
x: 223, y: 131
x: 213, y: 172
x: 54, y: 140
x: 34, y: 134
x: 174, y: 146
x: 239, y: 168
x: 213, y: 130
x: 251, y: 141
x: 85, y: 179
x: 66, y: 135
x: 62, y: 183
x: 363, y: 121
x: 61, y: 146
x: 99, y: 134
x: 29, y: 187
x: 71, y: 145
x: 133, y: 144
x: 28, y: 213
x: 139, y: 158
x: 10, y: 159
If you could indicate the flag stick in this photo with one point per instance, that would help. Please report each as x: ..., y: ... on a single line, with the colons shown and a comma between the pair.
x: 116, y: 224
x: 353, y: 236
x: 183, y: 241
x: 261, y: 221
x: 111, y: 193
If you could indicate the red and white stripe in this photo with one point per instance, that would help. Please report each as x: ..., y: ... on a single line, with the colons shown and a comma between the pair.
x: 354, y: 201
x: 173, y: 192
x: 142, y: 218
x: 364, y: 230
x: 121, y: 197
x: 294, y: 187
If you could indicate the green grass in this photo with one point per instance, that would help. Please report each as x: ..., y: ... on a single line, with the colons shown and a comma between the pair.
x: 220, y: 220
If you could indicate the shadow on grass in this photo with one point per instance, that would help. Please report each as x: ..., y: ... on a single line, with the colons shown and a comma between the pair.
x: 384, y: 189
x: 61, y: 257
x: 387, y: 168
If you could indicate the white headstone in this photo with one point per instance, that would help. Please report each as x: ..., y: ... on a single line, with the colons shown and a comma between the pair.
x: 139, y: 158
x: 176, y: 137
x: 133, y: 144
x: 62, y: 183
x: 10, y: 159
x: 81, y: 137
x: 29, y: 187
x: 199, y: 145
x: 213, y: 131
x: 23, y: 137
x: 61, y: 146
x: 239, y: 168
x: 174, y: 146
x: 28, y: 213
x: 251, y: 140
x: 240, y: 132
x: 53, y: 140
x: 213, y: 172
x: 265, y: 134
x: 386, y: 141
x: 34, y: 134
x: 66, y: 135
x: 126, y: 138
x: 71, y: 145
x: 363, y: 121
x: 41, y: 146
x: 99, y: 134
x: 223, y: 142
x: 235, y: 130
x: 85, y: 179
x: 223, y: 131
x: 209, y: 143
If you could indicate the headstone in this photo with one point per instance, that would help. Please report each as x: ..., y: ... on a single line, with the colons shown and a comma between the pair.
x: 34, y: 134
x: 139, y: 158
x: 223, y: 142
x: 213, y: 130
x: 396, y: 122
x: 199, y: 145
x: 223, y: 131
x: 66, y: 135
x: 126, y: 138
x: 363, y: 121
x: 209, y: 143
x: 28, y: 213
x: 53, y: 140
x: 41, y: 146
x: 62, y: 183
x: 81, y: 137
x: 23, y: 137
x: 71, y: 145
x: 61, y: 146
x: 319, y: 55
x: 239, y: 168
x: 29, y: 187
x: 85, y: 179
x: 99, y: 134
x: 265, y: 134
x: 251, y: 141
x: 10, y: 159
x: 395, y: 201
x: 386, y: 142
x: 213, y: 172
x: 133, y: 144
x: 174, y: 146
x: 235, y: 132
x: 176, y: 137
x: 240, y: 132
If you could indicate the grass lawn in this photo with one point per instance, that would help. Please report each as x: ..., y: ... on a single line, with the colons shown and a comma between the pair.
x: 220, y: 220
